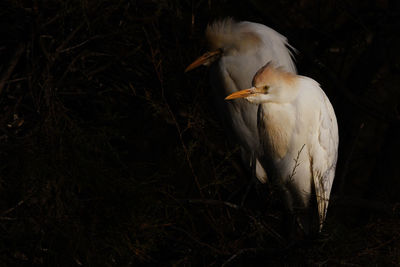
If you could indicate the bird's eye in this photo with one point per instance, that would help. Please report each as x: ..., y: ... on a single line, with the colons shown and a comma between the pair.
x: 266, y: 87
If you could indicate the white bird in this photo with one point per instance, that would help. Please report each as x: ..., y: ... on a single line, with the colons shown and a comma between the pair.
x: 238, y: 50
x: 299, y: 137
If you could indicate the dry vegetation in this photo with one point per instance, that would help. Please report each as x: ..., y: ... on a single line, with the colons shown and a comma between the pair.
x: 112, y: 156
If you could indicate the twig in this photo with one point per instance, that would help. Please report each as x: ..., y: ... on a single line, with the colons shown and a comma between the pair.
x: 198, y: 241
x: 79, y: 45
x: 11, y: 68
x: 17, y: 80
x: 260, y: 252
x: 216, y: 202
x: 296, y: 164
x: 12, y: 208
x: 268, y: 229
x: 367, y: 251
x: 237, y: 254
x: 7, y: 218
x: 68, y: 39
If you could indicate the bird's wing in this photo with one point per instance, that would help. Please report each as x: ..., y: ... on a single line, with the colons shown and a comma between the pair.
x: 324, y: 155
x: 275, y: 46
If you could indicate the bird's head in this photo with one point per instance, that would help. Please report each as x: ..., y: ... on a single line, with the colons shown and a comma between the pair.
x: 227, y: 37
x: 270, y: 84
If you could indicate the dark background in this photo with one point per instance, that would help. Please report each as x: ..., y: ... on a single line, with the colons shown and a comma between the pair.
x: 112, y: 156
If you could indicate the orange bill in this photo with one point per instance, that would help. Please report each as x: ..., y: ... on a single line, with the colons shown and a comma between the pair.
x: 205, y: 59
x: 242, y: 93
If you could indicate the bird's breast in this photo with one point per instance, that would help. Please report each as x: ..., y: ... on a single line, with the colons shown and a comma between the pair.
x: 276, y: 122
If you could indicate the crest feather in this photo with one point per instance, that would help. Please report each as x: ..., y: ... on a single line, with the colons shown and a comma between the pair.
x: 228, y: 34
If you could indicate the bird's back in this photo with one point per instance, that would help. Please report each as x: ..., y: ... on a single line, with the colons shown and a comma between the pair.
x: 324, y: 149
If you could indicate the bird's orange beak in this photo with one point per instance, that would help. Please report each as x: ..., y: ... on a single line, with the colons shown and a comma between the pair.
x: 205, y: 59
x: 242, y: 94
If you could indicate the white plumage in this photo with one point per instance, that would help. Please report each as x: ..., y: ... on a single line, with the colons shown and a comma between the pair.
x: 299, y: 137
x: 239, y: 49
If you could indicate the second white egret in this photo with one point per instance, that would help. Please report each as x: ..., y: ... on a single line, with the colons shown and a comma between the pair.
x: 238, y: 50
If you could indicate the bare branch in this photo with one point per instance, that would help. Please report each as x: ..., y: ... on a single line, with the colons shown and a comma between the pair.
x: 11, y: 68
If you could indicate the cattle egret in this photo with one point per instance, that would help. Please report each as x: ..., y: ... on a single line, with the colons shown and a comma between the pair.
x: 238, y: 50
x: 298, y: 134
